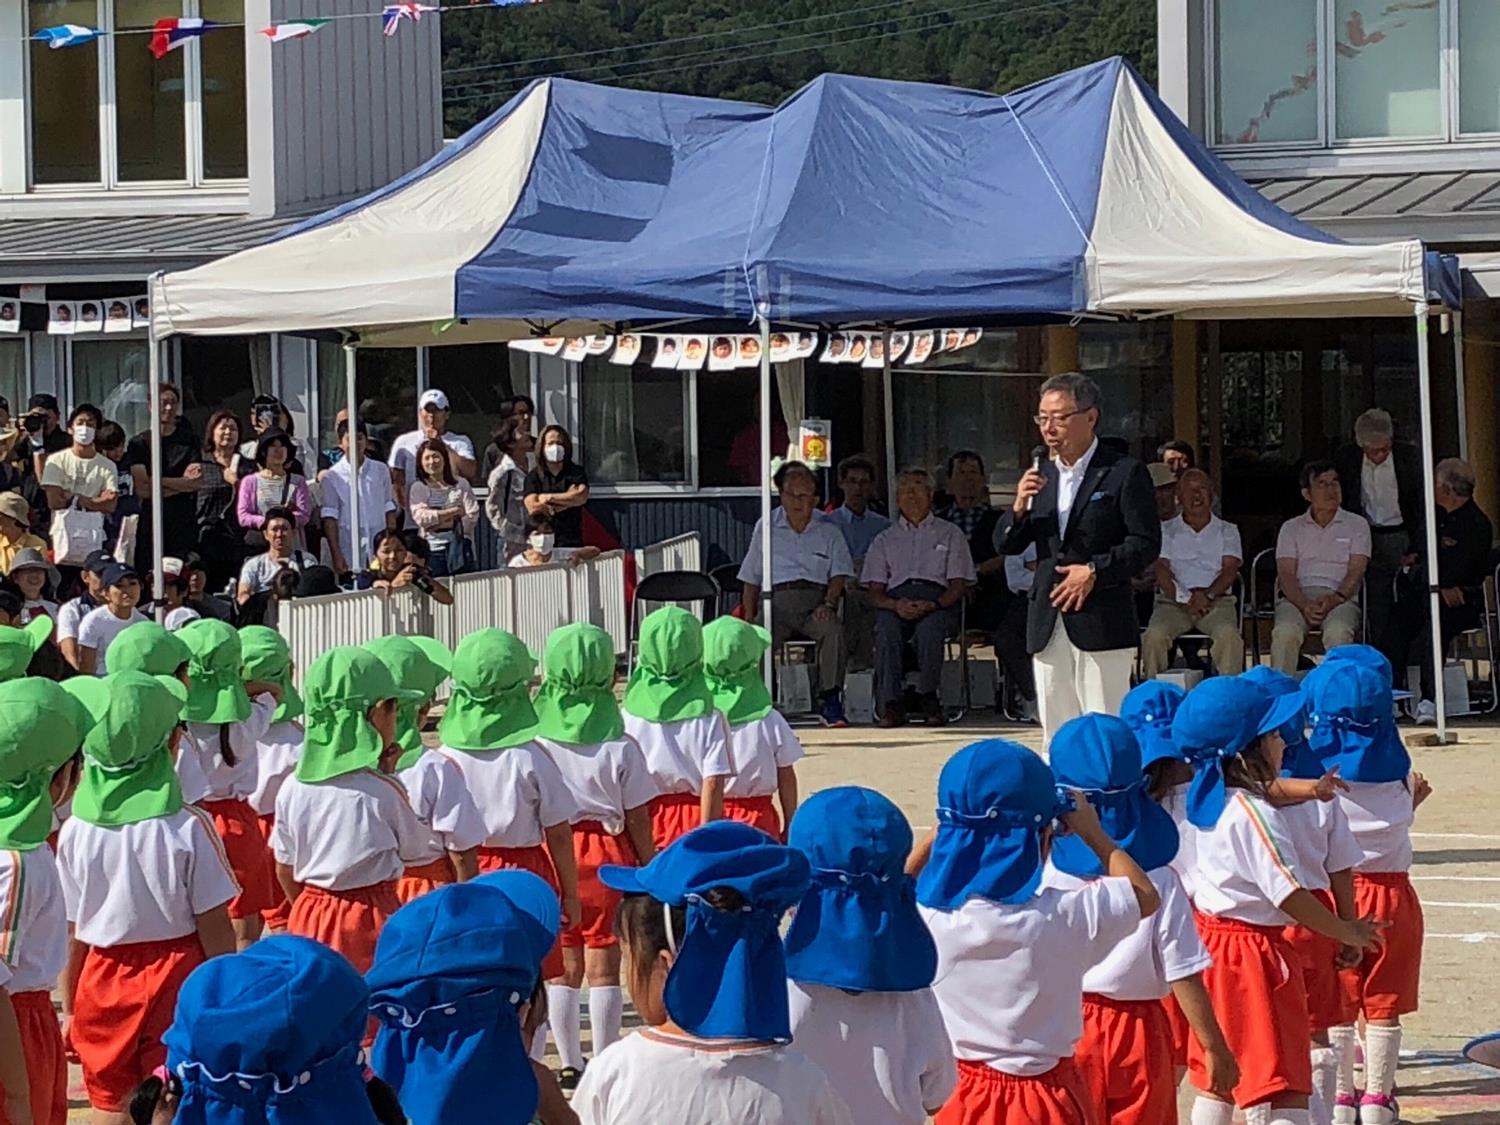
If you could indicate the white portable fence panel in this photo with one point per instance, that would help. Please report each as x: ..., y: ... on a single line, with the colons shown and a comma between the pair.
x: 681, y: 552
x: 541, y: 597
x: 597, y: 591
x: 312, y: 626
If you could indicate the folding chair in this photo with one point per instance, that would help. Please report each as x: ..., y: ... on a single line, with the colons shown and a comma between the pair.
x: 689, y: 587
x: 727, y: 578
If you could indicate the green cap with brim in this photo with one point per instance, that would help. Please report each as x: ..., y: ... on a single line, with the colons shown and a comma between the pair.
x: 267, y: 659
x: 217, y: 694
x: 490, y: 707
x: 732, y: 655
x: 41, y: 727
x: 576, y: 703
x: 418, y: 664
x: 338, y: 692
x: 18, y: 646
x: 128, y: 772
x: 148, y: 647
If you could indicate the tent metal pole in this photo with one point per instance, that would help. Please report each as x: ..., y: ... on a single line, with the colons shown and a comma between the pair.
x: 888, y: 397
x: 1429, y: 507
x: 356, y: 533
x: 767, y: 582
x: 1458, y: 384
x: 158, y: 514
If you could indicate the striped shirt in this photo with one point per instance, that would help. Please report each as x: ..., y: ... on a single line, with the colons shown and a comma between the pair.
x: 1245, y: 864
x: 33, y: 921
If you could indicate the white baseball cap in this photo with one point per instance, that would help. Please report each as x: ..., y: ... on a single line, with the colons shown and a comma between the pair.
x: 433, y: 400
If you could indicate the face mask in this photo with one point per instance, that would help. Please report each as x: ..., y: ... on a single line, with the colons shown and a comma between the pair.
x: 83, y: 435
x: 554, y: 454
x: 540, y: 542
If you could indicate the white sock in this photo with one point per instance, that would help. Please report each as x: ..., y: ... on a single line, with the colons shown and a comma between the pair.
x: 539, y: 1042
x: 1258, y: 1114
x: 1382, y: 1054
x: 1207, y: 1111
x: 1325, y: 1064
x: 606, y: 1010
x: 1343, y: 1039
x: 565, y: 1017
x: 1290, y: 1117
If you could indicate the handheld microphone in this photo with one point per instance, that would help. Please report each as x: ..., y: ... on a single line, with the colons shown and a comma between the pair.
x: 1038, y: 455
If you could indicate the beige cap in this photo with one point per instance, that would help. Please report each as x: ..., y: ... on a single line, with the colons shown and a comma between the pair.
x: 14, y: 505
x: 1162, y: 475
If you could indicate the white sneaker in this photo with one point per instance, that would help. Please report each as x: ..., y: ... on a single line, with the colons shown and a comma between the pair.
x: 1426, y: 713
x: 1374, y: 1110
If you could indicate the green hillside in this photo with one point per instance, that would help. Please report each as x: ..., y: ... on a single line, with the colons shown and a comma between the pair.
x: 763, y: 51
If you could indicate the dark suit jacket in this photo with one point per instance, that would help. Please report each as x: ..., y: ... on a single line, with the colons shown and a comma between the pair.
x: 1409, y: 492
x: 1114, y: 525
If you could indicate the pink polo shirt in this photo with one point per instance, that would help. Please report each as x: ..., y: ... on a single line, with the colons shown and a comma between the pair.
x: 1323, y: 553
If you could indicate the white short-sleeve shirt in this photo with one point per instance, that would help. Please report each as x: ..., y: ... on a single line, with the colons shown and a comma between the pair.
x: 403, y: 455
x: 519, y: 792
x: 98, y: 631
x: 1196, y: 557
x: 1010, y: 978
x: 443, y: 804
x: 1164, y: 948
x: 887, y: 1053
x: 1322, y: 554
x: 650, y: 1078
x: 232, y: 782
x: 818, y: 553
x: 33, y: 921
x: 1321, y: 842
x: 70, y: 616
x: 1245, y: 866
x: 1184, y: 863
x: 280, y: 751
x: 681, y: 753
x: 1380, y: 816
x: 348, y: 832
x: 146, y: 881
x: 88, y: 477
x: 605, y: 779
x: 757, y: 749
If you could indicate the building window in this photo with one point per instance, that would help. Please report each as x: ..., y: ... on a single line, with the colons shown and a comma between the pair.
x: 477, y: 378
x: 1386, y: 70
x: 1478, y: 66
x: 113, y: 375
x: 109, y: 113
x: 223, y: 373
x: 13, y: 381
x: 1266, y: 56
x: 386, y: 380
x: 634, y: 423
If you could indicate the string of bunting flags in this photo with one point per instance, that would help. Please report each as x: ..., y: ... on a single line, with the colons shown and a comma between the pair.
x: 727, y: 352
x: 73, y: 318
x: 166, y: 35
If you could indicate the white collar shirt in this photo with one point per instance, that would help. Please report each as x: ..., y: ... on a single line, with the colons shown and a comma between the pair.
x: 1197, y: 557
x: 1382, y: 499
x: 1069, y: 480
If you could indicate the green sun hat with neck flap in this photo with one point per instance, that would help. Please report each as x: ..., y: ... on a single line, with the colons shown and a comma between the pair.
x: 217, y: 694
x: 128, y: 771
x: 419, y: 664
x: 338, y: 691
x: 18, y: 646
x: 266, y: 658
x: 667, y: 683
x: 41, y: 727
x: 732, y: 655
x: 149, y: 648
x: 576, y: 703
x: 490, y: 708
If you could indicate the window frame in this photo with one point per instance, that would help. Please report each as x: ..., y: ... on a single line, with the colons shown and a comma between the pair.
x: 109, y: 172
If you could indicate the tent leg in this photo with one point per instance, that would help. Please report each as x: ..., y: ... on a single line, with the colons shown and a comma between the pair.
x: 889, y: 400
x: 1429, y: 505
x: 158, y: 515
x: 767, y: 582
x: 1458, y: 385
x: 357, y: 558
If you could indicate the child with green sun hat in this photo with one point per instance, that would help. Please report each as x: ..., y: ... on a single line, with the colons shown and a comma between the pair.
x: 41, y: 727
x: 146, y: 881
x: 267, y: 658
x: 19, y: 646
x: 433, y: 783
x: 227, y: 720
x: 345, y: 830
x: 579, y: 725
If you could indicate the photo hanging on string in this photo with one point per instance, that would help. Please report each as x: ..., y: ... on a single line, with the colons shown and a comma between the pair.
x: 62, y: 318
x: 668, y: 352
x: 627, y: 350
x: 833, y: 351
x: 117, y: 315
x: 921, y: 347
x: 598, y: 345
x: 141, y: 312
x: 722, y: 354
x: 90, y: 317
x: 10, y: 314
x: 575, y: 349
x: 781, y: 347
x: 875, y: 357
x: 805, y: 345
x: 694, y: 353
x: 899, y: 343
x: 748, y: 350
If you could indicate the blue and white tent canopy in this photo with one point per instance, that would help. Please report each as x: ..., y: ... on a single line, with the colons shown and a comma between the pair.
x: 858, y: 200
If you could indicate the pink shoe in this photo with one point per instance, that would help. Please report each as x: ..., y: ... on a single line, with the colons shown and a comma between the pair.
x: 1378, y: 1109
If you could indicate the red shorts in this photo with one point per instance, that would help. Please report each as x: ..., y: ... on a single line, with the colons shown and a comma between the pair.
x: 348, y: 921
x: 46, y: 1059
x: 279, y: 912
x: 1385, y: 984
x: 1328, y: 1005
x: 1181, y: 1032
x: 418, y: 880
x: 1125, y: 1061
x: 245, y: 845
x: 986, y: 1096
x: 674, y: 815
x: 757, y: 812
x: 1255, y: 985
x: 536, y: 860
x: 593, y: 848
x: 124, y: 1003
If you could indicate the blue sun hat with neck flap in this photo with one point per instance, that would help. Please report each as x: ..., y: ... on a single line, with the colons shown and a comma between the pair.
x: 994, y: 799
x: 728, y: 980
x: 1298, y: 760
x: 1099, y: 755
x: 1148, y: 710
x: 1353, y: 726
x: 538, y: 903
x: 1219, y: 719
x: 857, y: 927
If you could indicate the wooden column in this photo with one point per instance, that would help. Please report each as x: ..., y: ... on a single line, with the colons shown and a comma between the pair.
x: 1060, y: 349
x: 1186, y: 412
x: 1481, y: 340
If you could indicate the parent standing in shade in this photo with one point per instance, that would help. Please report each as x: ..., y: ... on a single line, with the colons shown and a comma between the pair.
x: 1091, y: 512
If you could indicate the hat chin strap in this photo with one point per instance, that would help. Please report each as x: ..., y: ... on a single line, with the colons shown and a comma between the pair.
x: 666, y: 915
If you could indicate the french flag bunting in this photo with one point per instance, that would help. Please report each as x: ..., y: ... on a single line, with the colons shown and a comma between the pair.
x: 169, y: 34
x: 66, y: 35
x: 393, y: 14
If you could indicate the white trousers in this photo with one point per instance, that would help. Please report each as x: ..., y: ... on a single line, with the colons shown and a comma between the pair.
x: 1070, y: 682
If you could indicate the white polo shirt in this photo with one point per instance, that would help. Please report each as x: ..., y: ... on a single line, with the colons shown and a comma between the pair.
x: 442, y: 802
x: 348, y: 832
x: 757, y: 750
x: 33, y: 921
x: 1322, y: 554
x: 1380, y: 816
x: 1246, y: 863
x: 236, y: 782
x: 1010, y: 978
x: 681, y: 753
x: 146, y: 881
x: 519, y: 793
x: 1196, y: 557
x: 605, y: 779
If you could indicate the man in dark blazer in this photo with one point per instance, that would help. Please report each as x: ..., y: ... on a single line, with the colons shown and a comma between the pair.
x: 1091, y: 511
x: 1382, y: 480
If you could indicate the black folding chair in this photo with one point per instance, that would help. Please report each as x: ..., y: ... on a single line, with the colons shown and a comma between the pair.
x: 687, y: 588
x: 727, y: 578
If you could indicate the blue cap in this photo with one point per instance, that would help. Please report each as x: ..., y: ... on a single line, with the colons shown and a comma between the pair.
x: 994, y: 799
x: 1099, y: 755
x: 1297, y: 760
x: 1219, y: 719
x: 451, y: 969
x: 271, y: 1035
x: 117, y: 573
x: 1366, y: 656
x: 1353, y: 722
x: 1148, y: 709
x: 857, y: 927
x: 729, y: 977
x: 533, y: 897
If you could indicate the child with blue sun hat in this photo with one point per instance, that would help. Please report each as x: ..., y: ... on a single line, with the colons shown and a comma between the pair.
x: 1148, y: 710
x: 1012, y: 956
x: 861, y: 962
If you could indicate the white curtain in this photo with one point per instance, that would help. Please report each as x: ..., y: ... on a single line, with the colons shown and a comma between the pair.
x: 791, y: 384
x: 606, y: 446
x: 113, y: 374
x: 13, y: 372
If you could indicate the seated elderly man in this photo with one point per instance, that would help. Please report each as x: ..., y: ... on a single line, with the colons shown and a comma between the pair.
x: 917, y: 572
x: 1321, y: 558
x: 1200, y: 559
x: 809, y: 566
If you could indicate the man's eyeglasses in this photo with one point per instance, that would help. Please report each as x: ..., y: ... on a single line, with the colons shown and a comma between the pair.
x: 1056, y: 419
